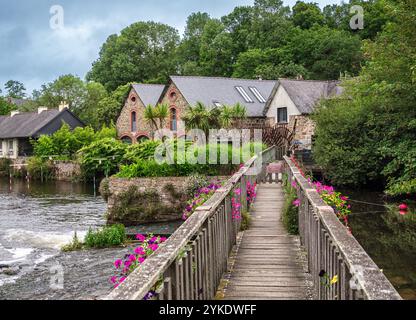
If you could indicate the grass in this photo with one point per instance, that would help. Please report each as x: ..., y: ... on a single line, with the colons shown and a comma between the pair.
x: 290, y: 217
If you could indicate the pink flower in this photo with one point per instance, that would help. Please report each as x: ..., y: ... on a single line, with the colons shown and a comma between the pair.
x: 132, y: 258
x: 122, y: 279
x: 141, y: 260
x: 237, y: 192
x: 296, y: 203
x: 118, y: 263
x: 153, y: 247
x: 127, y: 264
x: 139, y: 251
x: 403, y: 207
x: 163, y: 239
x: 113, y: 279
x: 140, y: 237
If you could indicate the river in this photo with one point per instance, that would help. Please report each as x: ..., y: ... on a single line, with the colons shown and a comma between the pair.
x: 388, y: 236
x: 36, y: 220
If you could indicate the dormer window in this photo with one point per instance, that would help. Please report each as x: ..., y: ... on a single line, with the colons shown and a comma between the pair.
x: 133, y: 121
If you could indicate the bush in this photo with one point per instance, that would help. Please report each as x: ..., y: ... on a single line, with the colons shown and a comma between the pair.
x: 101, y: 158
x: 140, y: 151
x: 40, y: 169
x: 290, y: 216
x: 64, y: 143
x: 245, y: 221
x: 74, y: 245
x: 5, y: 166
x: 106, y: 237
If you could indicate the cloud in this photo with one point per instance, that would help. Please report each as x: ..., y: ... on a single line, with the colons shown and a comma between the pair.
x: 31, y: 52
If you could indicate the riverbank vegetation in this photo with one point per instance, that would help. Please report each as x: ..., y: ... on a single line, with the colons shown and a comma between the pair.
x: 367, y: 136
x: 106, y: 237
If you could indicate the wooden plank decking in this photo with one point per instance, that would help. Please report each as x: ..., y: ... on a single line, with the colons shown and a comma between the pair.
x: 268, y: 264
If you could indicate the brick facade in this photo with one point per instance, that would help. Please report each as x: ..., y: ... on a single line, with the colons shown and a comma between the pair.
x: 304, y: 128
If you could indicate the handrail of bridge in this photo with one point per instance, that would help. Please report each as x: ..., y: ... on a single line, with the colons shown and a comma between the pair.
x: 333, y: 250
x: 190, y: 264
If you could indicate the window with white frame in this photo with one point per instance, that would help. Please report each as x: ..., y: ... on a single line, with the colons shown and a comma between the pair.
x: 11, y: 147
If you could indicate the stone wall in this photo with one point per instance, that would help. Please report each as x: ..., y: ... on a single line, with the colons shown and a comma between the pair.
x: 304, y: 128
x: 133, y: 104
x: 67, y: 170
x: 145, y: 200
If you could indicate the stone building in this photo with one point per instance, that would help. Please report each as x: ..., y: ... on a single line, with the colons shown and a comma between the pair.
x: 268, y: 102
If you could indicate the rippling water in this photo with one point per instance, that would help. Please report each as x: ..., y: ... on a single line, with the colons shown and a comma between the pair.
x: 36, y: 220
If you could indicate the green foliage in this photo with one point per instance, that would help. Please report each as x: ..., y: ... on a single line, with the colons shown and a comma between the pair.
x: 15, y: 89
x: 290, y: 216
x: 141, y: 151
x: 74, y: 245
x: 40, y: 168
x: 5, y: 107
x: 183, y: 166
x: 305, y: 15
x: 64, y: 143
x: 245, y: 221
x: 143, y: 52
x: 111, y: 236
x: 5, y: 166
x: 370, y: 131
x: 102, y: 157
x: 110, y: 107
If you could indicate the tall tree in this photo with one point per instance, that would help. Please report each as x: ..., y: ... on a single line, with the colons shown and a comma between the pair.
x: 15, y: 89
x: 143, y: 52
x: 305, y: 15
x: 369, y: 134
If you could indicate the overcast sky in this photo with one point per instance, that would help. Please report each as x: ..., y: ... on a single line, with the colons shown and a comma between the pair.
x: 33, y: 53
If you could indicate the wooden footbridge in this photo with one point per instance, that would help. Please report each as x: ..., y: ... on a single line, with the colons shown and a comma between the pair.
x: 208, y: 258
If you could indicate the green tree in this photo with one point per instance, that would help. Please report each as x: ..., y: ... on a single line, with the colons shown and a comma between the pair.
x: 88, y: 111
x: 156, y: 116
x: 143, y: 52
x: 15, y: 89
x: 326, y: 53
x: 109, y: 108
x: 372, y: 128
x: 216, y: 50
x: 305, y: 15
x: 5, y: 107
x: 67, y: 88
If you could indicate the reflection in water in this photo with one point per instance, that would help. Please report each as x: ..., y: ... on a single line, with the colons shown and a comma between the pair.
x: 389, y: 237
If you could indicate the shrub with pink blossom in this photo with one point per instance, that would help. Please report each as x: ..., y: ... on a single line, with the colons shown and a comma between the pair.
x: 131, y: 261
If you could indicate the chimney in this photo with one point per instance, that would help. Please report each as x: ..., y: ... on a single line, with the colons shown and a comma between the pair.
x: 41, y: 109
x: 63, y: 106
x: 13, y: 113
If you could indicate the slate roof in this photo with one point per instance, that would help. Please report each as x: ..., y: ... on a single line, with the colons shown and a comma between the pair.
x: 26, y: 124
x: 149, y: 93
x: 209, y: 90
x: 306, y: 93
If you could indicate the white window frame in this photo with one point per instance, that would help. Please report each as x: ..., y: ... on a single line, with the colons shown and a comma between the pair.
x: 257, y: 94
x: 244, y: 94
x: 277, y: 115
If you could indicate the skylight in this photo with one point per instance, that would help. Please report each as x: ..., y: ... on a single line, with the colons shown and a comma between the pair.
x: 257, y: 94
x: 244, y: 94
x: 217, y: 104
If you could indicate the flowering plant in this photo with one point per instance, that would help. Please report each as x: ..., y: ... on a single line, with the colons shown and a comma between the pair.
x: 132, y: 261
x: 332, y: 198
x: 200, y: 197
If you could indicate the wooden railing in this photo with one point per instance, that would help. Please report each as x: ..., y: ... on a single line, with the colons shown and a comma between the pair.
x: 190, y: 264
x: 333, y: 250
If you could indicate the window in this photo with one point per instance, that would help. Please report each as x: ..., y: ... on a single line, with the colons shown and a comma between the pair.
x: 244, y: 94
x: 133, y: 121
x: 141, y: 139
x: 282, y: 115
x: 257, y: 94
x: 133, y: 99
x: 173, y: 120
x: 11, y: 147
x: 126, y: 140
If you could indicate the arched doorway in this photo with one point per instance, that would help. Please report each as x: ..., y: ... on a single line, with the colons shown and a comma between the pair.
x: 126, y: 140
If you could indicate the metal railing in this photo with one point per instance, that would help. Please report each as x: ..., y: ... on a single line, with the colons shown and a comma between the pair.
x: 333, y: 250
x: 190, y: 264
